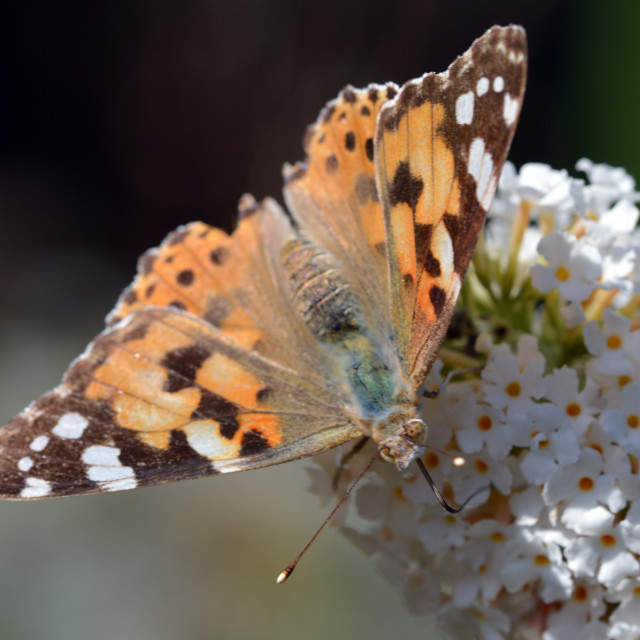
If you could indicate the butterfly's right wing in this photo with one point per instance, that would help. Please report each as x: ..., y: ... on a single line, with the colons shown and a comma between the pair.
x: 332, y: 194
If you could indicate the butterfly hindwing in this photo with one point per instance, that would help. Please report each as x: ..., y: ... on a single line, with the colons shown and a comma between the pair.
x: 332, y: 194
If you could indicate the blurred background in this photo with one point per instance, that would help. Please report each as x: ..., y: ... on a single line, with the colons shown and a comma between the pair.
x: 121, y: 120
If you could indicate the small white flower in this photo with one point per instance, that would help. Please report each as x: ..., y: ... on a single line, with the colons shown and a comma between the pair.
x: 622, y: 424
x: 579, y: 407
x: 552, y: 444
x: 510, y: 385
x: 482, y: 425
x: 442, y: 531
x: 582, y: 486
x: 530, y: 559
x: 573, y: 267
x: 548, y: 192
x: 484, y: 553
x: 607, y: 185
x: 627, y: 593
x: 481, y: 470
x: 602, y: 552
x: 615, y: 348
x: 578, y: 617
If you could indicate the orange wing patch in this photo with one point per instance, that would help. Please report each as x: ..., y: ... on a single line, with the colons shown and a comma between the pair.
x: 156, y: 379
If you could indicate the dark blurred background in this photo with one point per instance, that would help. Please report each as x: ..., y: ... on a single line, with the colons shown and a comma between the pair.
x: 121, y: 120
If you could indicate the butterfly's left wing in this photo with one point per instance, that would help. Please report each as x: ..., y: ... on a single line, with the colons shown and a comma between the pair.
x: 440, y: 147
x: 224, y: 378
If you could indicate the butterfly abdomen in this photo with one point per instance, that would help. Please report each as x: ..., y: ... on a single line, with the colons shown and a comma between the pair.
x: 333, y: 311
x: 325, y: 301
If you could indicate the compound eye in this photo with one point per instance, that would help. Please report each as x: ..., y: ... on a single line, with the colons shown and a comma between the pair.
x: 414, y: 429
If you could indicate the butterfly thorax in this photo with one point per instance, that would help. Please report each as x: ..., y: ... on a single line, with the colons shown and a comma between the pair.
x: 369, y: 371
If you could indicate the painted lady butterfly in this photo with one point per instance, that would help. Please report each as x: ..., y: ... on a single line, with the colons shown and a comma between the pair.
x: 232, y: 352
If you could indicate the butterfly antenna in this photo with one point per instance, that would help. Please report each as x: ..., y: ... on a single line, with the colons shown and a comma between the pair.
x: 289, y: 570
x: 445, y: 505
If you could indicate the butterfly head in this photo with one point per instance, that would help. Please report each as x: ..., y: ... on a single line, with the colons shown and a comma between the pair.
x: 403, y: 445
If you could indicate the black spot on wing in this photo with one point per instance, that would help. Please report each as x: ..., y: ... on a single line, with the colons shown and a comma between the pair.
x: 253, y: 442
x: 405, y: 187
x: 349, y: 95
x: 215, y: 407
x: 424, y: 256
x: 350, y: 141
x: 183, y: 365
x: 438, y: 298
x: 185, y: 277
x: 131, y: 296
x: 368, y: 147
x: 219, y: 255
x: 331, y: 163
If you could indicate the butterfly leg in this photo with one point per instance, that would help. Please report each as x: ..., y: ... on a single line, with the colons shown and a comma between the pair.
x: 345, y: 459
x: 434, y: 393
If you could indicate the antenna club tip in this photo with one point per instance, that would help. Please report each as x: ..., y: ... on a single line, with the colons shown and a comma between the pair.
x: 285, y: 574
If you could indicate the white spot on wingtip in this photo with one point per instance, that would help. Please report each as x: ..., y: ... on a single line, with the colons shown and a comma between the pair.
x: 36, y: 488
x: 464, y: 108
x: 498, y: 84
x: 24, y: 464
x: 510, y: 110
x: 482, y: 87
x: 106, y: 469
x: 70, y: 426
x: 481, y: 168
x: 110, y: 474
x: 39, y: 443
x: 101, y: 455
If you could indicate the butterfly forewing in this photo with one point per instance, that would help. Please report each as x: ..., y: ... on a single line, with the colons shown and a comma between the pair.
x: 440, y: 147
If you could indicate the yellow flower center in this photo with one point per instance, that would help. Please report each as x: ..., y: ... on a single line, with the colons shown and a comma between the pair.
x: 431, y: 460
x: 624, y: 380
x: 513, y: 389
x: 541, y: 560
x: 585, y: 484
x: 580, y: 594
x: 481, y: 466
x: 633, y: 421
x: 608, y: 540
x: 574, y: 409
x: 485, y: 423
x: 614, y: 342
x: 562, y: 273
x: 398, y: 493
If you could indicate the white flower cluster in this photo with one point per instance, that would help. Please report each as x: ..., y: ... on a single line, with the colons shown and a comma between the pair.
x: 551, y: 425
